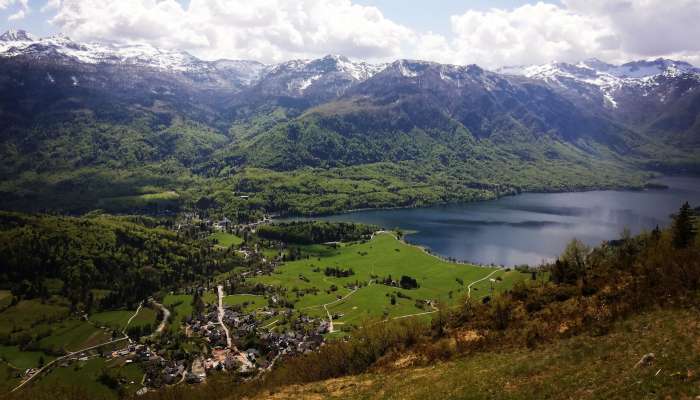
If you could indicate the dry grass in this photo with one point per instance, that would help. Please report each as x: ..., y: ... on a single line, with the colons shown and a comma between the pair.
x: 583, y: 367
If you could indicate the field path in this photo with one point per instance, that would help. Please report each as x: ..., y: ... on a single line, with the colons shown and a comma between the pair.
x: 72, y: 353
x: 270, y: 324
x: 42, y: 369
x: 469, y: 288
x: 469, y: 294
x: 131, y: 319
x: 435, y: 309
x: 325, y: 307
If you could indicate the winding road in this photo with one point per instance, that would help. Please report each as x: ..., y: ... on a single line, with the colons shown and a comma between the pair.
x: 220, y: 292
x: 164, y: 321
x: 229, y: 343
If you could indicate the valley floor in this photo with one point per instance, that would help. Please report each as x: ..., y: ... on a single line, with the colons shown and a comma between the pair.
x: 583, y: 367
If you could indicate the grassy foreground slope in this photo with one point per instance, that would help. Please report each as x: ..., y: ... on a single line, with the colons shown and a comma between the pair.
x: 582, y: 367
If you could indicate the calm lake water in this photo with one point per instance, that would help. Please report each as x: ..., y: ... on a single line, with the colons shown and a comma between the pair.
x: 530, y: 228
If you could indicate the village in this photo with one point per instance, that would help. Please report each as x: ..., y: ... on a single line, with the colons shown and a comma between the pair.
x: 237, y: 341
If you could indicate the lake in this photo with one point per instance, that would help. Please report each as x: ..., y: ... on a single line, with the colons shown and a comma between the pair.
x: 532, y: 227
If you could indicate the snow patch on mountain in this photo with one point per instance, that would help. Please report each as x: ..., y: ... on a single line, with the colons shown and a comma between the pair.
x: 334, y: 74
x: 20, y: 43
x: 14, y: 35
x: 608, y: 78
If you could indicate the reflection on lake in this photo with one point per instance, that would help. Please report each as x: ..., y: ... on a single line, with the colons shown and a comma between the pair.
x: 533, y: 227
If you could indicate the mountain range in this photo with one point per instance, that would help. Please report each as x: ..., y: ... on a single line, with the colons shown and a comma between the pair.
x: 113, y: 126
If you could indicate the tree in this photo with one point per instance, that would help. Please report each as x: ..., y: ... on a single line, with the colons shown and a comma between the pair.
x: 198, y: 304
x: 407, y: 282
x: 571, y: 265
x: 684, y: 229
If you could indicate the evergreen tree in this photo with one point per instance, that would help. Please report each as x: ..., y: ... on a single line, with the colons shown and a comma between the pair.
x: 684, y: 229
x: 198, y: 304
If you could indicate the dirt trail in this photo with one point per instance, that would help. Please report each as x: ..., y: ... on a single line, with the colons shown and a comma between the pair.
x: 220, y: 291
x: 166, y: 316
x: 469, y: 288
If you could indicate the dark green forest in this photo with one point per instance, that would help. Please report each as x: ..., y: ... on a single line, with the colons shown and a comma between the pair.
x: 129, y: 257
x: 310, y: 232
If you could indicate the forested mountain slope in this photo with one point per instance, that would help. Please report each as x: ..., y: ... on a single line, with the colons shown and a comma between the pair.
x: 91, y: 125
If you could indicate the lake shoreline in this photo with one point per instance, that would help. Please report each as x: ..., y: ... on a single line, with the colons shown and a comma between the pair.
x: 623, y: 188
x: 530, y: 228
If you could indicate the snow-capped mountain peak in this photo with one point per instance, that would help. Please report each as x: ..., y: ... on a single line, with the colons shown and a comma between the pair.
x: 609, y: 79
x: 332, y: 75
x: 646, y: 68
x: 594, y: 67
x: 15, y: 35
x: 21, y: 43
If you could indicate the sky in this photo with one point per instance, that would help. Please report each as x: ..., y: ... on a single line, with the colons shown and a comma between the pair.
x: 489, y: 33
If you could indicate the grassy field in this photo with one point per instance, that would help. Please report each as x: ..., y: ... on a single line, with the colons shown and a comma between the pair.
x: 28, y: 313
x: 5, y: 298
x: 83, y: 373
x: 503, y: 280
x: 113, y: 319
x: 22, y: 359
x: 384, y: 255
x: 248, y: 302
x: 73, y: 335
x: 8, y: 377
x: 583, y: 367
x: 117, y: 320
x: 180, y: 305
x: 225, y: 239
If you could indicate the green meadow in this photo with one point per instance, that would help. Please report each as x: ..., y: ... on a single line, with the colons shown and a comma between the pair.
x: 28, y: 313
x: 84, y: 373
x: 439, y: 281
x: 502, y: 280
x: 225, y: 239
x: 180, y: 306
x: 73, y: 335
x: 22, y: 360
x: 118, y: 320
x: 247, y: 302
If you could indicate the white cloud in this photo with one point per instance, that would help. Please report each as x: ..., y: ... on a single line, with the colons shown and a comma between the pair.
x: 267, y: 30
x: 613, y: 30
x: 275, y: 30
x: 528, y: 34
x: 20, y: 13
x: 17, y: 16
x: 51, y: 5
x: 649, y: 28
